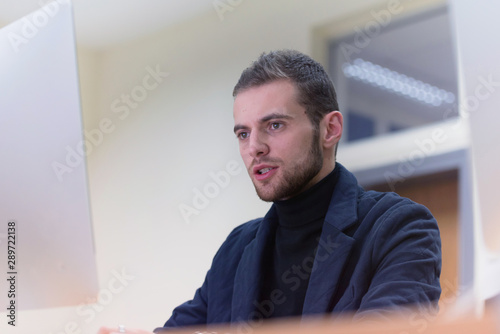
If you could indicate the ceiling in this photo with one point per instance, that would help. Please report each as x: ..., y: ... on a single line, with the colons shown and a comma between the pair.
x: 101, y: 23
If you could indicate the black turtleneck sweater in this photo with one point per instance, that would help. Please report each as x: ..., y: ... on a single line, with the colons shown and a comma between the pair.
x: 290, y: 259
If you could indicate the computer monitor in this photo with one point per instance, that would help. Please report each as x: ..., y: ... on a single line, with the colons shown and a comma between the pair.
x: 44, y: 198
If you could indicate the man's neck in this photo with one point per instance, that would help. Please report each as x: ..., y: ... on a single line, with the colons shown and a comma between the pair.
x: 309, y: 204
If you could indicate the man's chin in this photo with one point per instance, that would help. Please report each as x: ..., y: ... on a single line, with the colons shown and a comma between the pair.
x: 267, y: 195
x: 273, y: 194
x: 270, y: 195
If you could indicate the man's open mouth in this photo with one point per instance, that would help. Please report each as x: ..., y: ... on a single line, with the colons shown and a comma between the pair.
x: 264, y: 170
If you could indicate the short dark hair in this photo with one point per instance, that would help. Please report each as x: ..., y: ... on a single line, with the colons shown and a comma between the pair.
x: 315, y: 88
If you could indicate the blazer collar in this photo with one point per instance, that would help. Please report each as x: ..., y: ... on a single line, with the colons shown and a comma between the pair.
x: 249, y: 274
x: 343, y: 210
x: 334, y: 246
x: 333, y: 252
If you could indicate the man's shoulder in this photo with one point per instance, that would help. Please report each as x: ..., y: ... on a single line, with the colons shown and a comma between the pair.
x: 389, y: 214
x: 386, y: 202
x: 351, y: 190
x: 351, y: 194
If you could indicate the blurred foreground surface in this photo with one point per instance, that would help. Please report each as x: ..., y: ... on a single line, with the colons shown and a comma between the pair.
x: 407, y: 323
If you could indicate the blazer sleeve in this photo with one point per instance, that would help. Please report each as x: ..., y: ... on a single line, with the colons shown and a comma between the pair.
x: 406, y: 257
x: 192, y: 312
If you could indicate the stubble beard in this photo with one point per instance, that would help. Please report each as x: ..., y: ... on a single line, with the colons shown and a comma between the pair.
x: 295, y: 177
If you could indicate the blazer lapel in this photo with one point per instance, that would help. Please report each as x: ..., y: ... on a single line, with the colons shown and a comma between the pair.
x: 331, y: 257
x: 334, y: 246
x: 248, y: 278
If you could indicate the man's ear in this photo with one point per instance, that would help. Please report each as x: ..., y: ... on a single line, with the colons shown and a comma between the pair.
x: 332, y: 125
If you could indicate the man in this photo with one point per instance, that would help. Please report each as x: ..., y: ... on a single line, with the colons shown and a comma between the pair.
x: 326, y: 246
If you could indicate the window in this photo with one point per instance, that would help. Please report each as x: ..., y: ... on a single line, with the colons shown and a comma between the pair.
x: 395, y: 76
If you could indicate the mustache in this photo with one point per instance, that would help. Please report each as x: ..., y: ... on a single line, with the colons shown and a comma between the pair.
x: 268, y: 161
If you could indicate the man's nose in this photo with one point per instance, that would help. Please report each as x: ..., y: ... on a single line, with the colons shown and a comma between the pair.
x: 258, y: 145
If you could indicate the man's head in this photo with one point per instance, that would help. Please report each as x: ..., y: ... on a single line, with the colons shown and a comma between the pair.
x: 287, y: 123
x: 315, y: 89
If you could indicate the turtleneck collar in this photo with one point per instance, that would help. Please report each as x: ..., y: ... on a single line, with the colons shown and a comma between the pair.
x: 309, y: 205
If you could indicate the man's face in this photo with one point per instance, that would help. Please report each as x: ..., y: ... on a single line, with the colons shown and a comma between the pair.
x: 278, y: 143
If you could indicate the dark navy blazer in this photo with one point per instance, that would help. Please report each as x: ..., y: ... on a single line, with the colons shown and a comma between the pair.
x: 376, y: 251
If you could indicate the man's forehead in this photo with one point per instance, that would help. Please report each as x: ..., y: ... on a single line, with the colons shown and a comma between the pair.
x: 277, y: 97
x: 272, y: 87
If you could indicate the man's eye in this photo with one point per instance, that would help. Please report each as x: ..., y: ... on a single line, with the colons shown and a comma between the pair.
x: 242, y: 135
x: 276, y: 126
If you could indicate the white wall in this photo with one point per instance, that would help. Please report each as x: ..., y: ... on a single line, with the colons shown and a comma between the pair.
x: 480, y: 103
x: 476, y: 26
x: 89, y: 74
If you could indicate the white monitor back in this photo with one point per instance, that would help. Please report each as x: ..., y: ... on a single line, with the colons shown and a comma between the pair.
x: 43, y: 179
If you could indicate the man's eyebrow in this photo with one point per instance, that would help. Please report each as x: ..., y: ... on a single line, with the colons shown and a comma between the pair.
x: 263, y: 120
x: 274, y: 116
x: 239, y: 127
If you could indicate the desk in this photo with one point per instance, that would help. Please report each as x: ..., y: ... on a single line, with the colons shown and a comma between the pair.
x: 402, y: 324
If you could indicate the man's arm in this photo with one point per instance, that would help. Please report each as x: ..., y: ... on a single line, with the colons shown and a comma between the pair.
x: 193, y: 312
x: 407, y: 258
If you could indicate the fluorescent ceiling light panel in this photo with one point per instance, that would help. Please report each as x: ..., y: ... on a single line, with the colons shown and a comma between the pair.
x: 398, y: 83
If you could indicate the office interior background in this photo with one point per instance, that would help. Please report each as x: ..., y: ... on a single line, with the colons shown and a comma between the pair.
x: 416, y: 82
